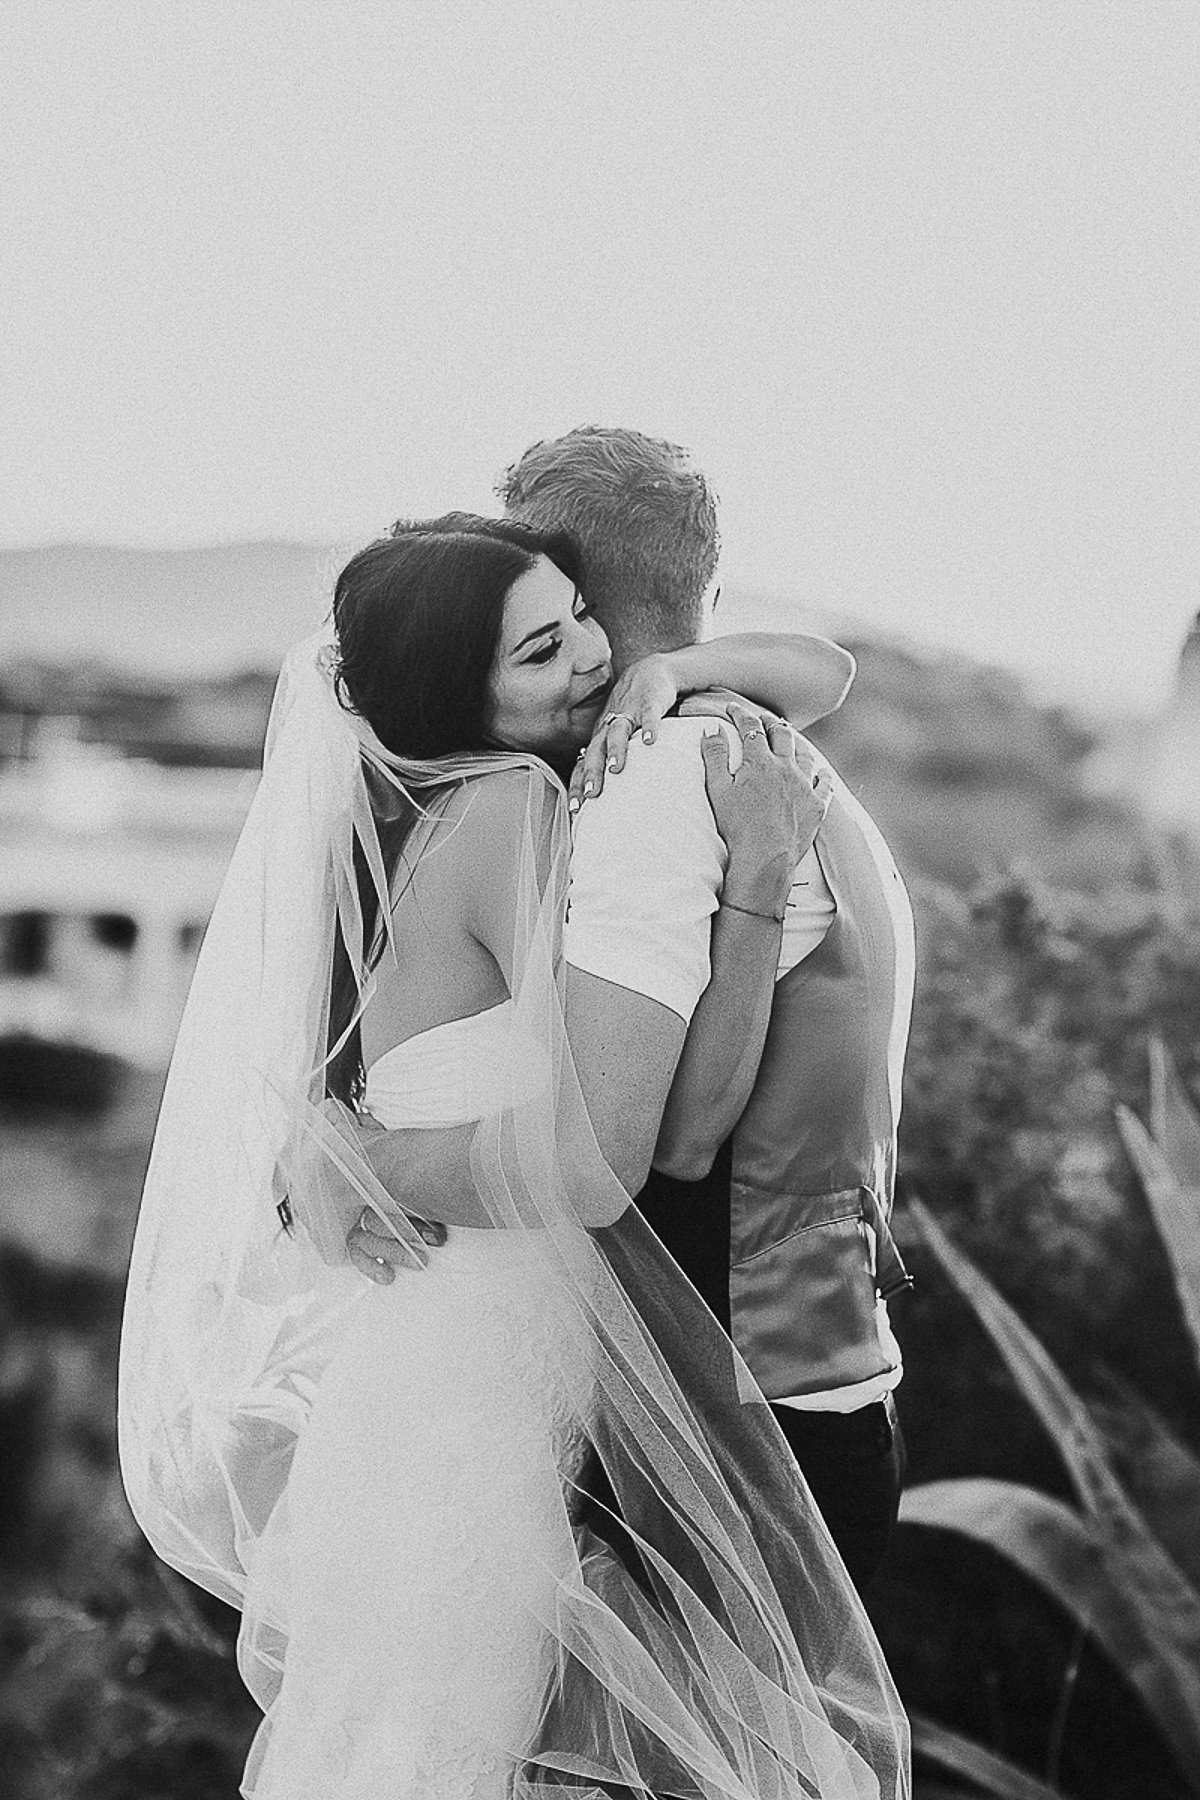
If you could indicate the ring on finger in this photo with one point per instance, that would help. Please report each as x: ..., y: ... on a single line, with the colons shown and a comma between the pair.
x: 363, y: 1216
x: 611, y: 719
x: 757, y: 732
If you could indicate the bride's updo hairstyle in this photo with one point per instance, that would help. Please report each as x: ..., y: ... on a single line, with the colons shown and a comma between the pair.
x: 418, y: 616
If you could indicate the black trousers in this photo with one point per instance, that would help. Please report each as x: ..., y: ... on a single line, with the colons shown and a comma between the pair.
x: 854, y: 1465
x: 853, y: 1462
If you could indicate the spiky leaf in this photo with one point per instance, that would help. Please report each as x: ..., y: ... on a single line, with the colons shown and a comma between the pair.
x: 1065, y: 1417
x: 1174, y: 1121
x: 1176, y: 1212
x: 963, y: 1756
x: 943, y: 1790
x: 1057, y: 1548
x: 1136, y: 1562
x: 1160, y: 1472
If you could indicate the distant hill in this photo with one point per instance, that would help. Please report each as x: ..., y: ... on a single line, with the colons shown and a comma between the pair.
x: 969, y: 777
x: 964, y: 770
x: 210, y: 611
x: 178, y: 612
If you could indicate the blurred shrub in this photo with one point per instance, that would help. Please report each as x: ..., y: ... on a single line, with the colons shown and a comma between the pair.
x: 1031, y: 1027
x: 1125, y: 1570
x: 1031, y: 1022
x: 966, y: 775
x: 117, y: 1679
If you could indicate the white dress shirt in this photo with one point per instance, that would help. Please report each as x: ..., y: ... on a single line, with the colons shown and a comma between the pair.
x: 647, y: 864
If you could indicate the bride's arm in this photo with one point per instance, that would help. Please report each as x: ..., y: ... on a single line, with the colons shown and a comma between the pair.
x: 631, y: 917
x: 799, y: 676
x: 796, y: 675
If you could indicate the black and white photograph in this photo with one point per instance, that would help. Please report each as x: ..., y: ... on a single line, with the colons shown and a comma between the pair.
x: 600, y: 900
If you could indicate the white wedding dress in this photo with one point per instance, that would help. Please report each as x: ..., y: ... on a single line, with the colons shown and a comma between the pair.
x: 427, y: 1525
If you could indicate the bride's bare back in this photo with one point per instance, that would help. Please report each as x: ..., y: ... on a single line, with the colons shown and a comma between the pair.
x: 456, y: 917
x: 450, y: 900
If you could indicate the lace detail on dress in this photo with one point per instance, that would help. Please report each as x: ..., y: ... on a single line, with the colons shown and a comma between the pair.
x: 453, y: 1772
x: 426, y: 1512
x: 429, y: 1531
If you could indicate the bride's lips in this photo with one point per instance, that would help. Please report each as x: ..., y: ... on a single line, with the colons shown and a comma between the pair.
x: 594, y: 698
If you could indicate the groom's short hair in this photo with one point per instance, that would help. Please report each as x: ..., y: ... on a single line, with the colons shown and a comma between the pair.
x: 643, y: 516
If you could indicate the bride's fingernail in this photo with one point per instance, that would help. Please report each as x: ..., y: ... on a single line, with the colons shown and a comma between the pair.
x: 589, y: 787
x: 573, y: 804
x: 647, y: 737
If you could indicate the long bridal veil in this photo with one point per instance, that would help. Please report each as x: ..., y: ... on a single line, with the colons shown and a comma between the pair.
x: 706, y: 1638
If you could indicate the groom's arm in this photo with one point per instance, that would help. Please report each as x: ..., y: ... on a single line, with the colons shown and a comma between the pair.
x: 647, y: 864
x: 648, y: 873
x: 429, y: 1172
x: 649, y: 881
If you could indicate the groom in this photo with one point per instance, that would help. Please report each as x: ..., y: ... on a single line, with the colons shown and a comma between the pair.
x: 783, y: 1228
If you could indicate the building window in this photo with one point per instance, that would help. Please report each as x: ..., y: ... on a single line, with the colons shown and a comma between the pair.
x: 115, y: 931
x: 25, y: 943
x: 189, y: 940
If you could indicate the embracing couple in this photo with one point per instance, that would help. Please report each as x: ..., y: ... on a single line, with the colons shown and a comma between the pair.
x: 620, y: 1102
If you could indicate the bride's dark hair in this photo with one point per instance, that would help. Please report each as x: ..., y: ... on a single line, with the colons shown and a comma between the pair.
x: 418, y: 616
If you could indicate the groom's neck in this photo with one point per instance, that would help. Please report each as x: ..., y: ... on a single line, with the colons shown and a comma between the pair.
x: 630, y: 646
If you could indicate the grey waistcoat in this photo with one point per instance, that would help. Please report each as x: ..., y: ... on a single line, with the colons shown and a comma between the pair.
x: 814, y: 1153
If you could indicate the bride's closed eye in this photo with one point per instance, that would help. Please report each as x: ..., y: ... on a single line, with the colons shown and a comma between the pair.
x: 548, y: 651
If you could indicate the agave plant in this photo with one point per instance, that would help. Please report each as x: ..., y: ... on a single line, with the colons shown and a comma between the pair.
x: 1127, y: 1573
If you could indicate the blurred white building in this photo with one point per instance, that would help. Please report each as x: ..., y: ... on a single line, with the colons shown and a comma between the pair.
x: 109, y: 869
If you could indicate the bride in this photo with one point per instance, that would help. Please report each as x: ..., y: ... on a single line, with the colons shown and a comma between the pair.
x: 386, y: 1480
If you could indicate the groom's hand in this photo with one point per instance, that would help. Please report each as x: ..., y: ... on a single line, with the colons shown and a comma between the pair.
x: 376, y: 1254
x: 373, y: 1249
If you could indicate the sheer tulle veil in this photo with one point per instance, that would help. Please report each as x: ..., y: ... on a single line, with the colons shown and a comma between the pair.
x: 710, y: 1642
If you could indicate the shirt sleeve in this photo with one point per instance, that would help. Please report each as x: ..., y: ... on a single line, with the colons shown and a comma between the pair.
x: 647, y: 864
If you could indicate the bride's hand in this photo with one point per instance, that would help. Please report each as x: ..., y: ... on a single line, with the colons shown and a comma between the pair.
x: 769, y: 811
x: 639, y: 701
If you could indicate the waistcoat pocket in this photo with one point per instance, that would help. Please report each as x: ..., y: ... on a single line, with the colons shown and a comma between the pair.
x: 807, y: 1274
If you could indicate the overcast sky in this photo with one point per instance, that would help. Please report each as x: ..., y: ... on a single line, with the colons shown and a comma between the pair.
x: 918, y: 281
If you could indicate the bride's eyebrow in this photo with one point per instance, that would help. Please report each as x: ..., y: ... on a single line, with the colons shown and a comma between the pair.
x: 540, y: 631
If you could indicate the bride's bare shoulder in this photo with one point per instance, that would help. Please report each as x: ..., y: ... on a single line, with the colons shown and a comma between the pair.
x: 484, y: 830
x: 499, y: 807
x: 493, y: 831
